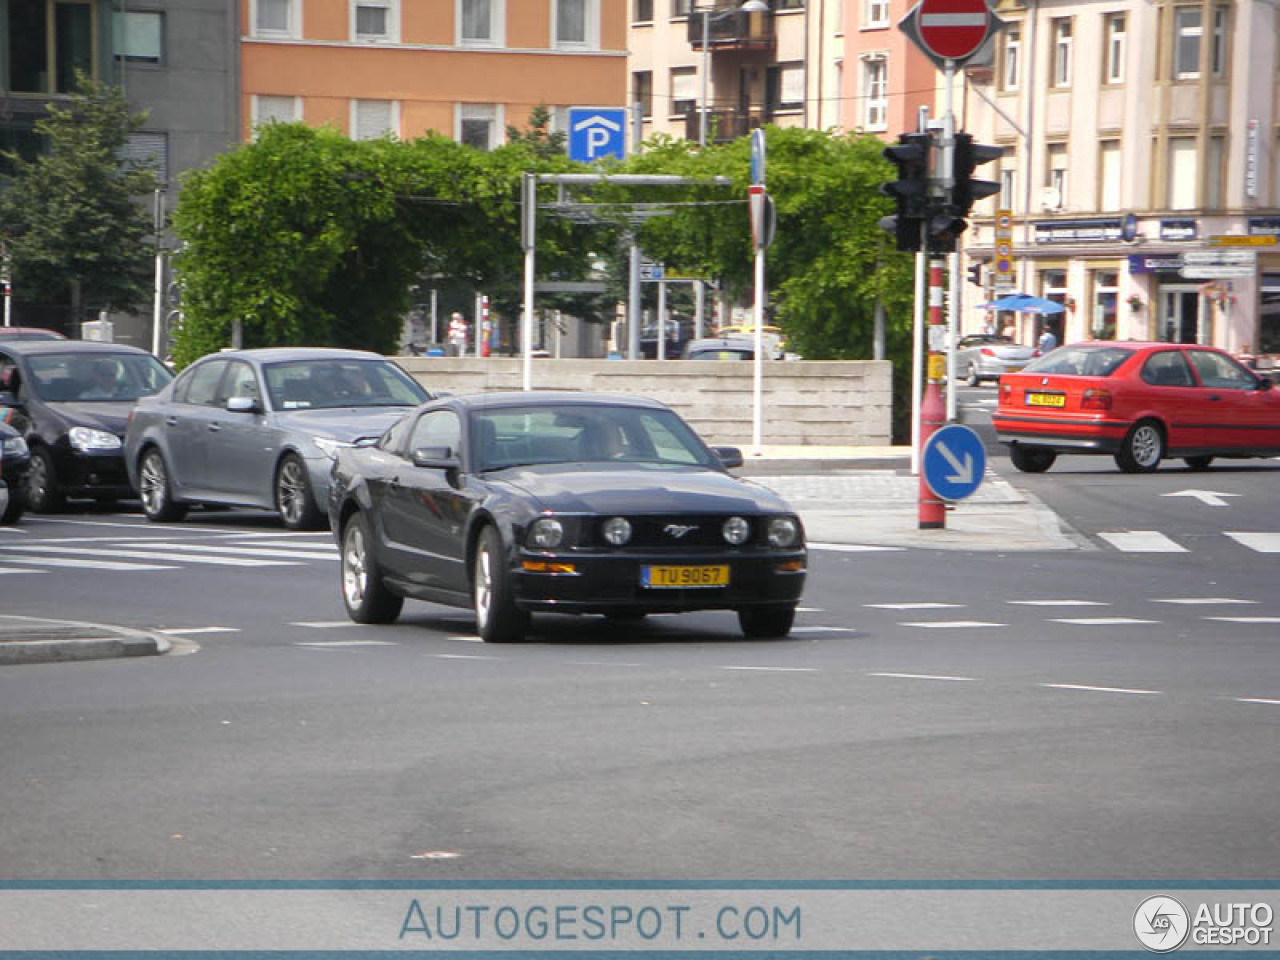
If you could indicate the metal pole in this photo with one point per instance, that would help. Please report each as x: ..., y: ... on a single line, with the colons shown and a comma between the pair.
x: 757, y: 380
x: 699, y: 309
x: 435, y: 329
x: 932, y: 512
x: 157, y: 309
x: 633, y: 305
x: 662, y: 320
x: 6, y: 278
x: 478, y: 326
x: 706, y: 66
x: 529, y: 205
x: 917, y: 360
x: 953, y: 314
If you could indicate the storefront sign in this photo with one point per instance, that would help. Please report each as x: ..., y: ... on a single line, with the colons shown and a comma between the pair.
x: 1140, y: 263
x: 1078, y: 231
x: 1179, y: 230
x: 1219, y: 262
x: 1264, y: 226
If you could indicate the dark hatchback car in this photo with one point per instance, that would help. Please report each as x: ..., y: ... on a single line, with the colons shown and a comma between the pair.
x: 14, y: 461
x: 561, y: 502
x: 71, y: 399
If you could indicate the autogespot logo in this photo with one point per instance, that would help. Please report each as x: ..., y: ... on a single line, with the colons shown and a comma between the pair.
x: 1161, y: 924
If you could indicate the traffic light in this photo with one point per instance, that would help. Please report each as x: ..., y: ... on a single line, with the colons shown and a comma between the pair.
x: 942, y: 228
x: 968, y: 156
x: 910, y: 191
x: 975, y: 274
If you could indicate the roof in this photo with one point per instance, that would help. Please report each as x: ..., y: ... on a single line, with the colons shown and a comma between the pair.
x: 30, y: 348
x: 551, y: 398
x: 284, y: 354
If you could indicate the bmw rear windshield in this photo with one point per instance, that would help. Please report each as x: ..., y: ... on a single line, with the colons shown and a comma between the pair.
x: 1086, y: 360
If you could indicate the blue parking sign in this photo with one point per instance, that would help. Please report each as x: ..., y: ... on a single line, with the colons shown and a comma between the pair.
x: 597, y: 132
x: 953, y: 462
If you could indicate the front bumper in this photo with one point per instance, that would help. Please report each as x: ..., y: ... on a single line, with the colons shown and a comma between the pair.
x: 602, y: 583
x: 92, y: 473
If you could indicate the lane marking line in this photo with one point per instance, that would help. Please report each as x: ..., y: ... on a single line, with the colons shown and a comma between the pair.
x: 188, y: 631
x: 82, y: 564
x: 1261, y: 542
x: 1265, y: 700
x: 951, y: 624
x: 1100, y: 621
x: 167, y: 555
x: 925, y: 605
x: 297, y: 553
x: 1142, y: 541
x: 323, y: 624
x: 461, y: 656
x: 919, y: 676
x: 1201, y: 600
x: 1092, y: 689
x: 854, y: 548
x: 1244, y: 619
x: 1058, y: 603
x: 344, y: 643
x: 772, y: 669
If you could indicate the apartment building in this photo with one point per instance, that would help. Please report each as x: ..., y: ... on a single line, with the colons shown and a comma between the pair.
x: 461, y: 68
x: 1140, y: 166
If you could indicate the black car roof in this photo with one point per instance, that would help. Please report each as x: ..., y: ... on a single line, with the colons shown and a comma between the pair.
x: 33, y: 347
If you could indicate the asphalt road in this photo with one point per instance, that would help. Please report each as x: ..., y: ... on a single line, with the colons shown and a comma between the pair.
x: 1095, y: 713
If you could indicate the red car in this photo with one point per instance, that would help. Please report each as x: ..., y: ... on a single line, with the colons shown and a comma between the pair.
x: 1141, y: 402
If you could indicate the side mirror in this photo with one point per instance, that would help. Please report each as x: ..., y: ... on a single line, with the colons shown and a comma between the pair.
x: 435, y: 458
x: 730, y: 457
x: 243, y: 405
x: 1265, y: 382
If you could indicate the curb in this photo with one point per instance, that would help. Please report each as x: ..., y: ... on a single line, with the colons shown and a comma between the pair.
x: 60, y: 641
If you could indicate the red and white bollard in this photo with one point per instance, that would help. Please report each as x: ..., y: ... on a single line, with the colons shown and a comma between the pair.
x: 932, y: 514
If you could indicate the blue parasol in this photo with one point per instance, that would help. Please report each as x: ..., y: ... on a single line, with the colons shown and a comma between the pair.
x: 1024, y: 303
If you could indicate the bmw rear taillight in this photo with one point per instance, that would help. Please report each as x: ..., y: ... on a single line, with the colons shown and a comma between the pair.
x: 987, y: 352
x: 1096, y: 400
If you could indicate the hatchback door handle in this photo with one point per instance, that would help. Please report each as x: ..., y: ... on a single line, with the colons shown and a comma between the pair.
x: 170, y: 421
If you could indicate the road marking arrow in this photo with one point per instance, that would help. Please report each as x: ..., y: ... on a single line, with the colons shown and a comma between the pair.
x: 963, y: 471
x: 1210, y: 498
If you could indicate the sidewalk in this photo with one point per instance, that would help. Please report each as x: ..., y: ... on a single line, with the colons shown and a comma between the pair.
x: 40, y: 640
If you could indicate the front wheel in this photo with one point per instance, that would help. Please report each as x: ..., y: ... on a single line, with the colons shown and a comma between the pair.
x: 294, y: 501
x: 155, y: 490
x: 365, y: 596
x: 1142, y: 448
x: 43, y: 493
x: 498, y: 619
x: 767, y: 623
x: 1199, y: 463
x: 1032, y: 459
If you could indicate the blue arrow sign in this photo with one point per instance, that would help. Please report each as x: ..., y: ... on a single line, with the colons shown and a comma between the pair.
x: 597, y: 132
x: 953, y: 462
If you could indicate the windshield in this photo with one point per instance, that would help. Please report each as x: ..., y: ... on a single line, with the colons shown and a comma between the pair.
x: 100, y: 377
x: 1088, y: 361
x: 578, y: 433
x: 339, y: 382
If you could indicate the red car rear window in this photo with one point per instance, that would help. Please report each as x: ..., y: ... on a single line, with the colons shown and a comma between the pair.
x: 1082, y: 361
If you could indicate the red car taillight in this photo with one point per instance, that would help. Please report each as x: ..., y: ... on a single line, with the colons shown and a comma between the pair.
x: 987, y: 352
x: 1096, y: 400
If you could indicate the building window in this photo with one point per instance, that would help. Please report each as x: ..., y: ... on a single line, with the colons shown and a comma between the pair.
x: 681, y: 8
x: 1113, y: 64
x: 876, y: 13
x: 138, y: 36
x: 1214, y: 167
x: 267, y: 109
x: 371, y: 119
x: 57, y: 40
x: 641, y: 11
x: 276, y: 18
x: 1106, y: 292
x: 375, y: 21
x: 1008, y: 184
x: 577, y: 24
x: 1182, y: 173
x: 480, y: 22
x: 1218, y: 54
x: 787, y: 4
x: 478, y: 125
x: 642, y: 91
x: 1012, y: 55
x: 1055, y: 177
x: 1187, y: 31
x: 784, y: 87
x: 875, y: 92
x: 1062, y: 52
x: 684, y: 91
x: 1269, y: 320
x: 1109, y: 179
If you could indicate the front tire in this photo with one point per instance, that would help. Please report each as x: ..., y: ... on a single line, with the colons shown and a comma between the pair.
x: 1142, y: 448
x: 767, y: 623
x: 365, y: 596
x: 156, y: 491
x: 1032, y: 459
x: 294, y: 501
x: 498, y: 619
x: 43, y: 494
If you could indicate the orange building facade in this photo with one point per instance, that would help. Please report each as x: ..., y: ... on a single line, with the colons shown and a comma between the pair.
x: 461, y: 68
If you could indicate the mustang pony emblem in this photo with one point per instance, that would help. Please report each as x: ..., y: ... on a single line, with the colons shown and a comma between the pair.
x: 677, y: 530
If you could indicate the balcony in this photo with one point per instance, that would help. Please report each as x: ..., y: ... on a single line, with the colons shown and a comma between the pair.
x: 725, y: 125
x: 730, y: 29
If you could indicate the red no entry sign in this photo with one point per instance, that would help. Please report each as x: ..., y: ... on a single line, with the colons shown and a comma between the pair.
x: 954, y: 29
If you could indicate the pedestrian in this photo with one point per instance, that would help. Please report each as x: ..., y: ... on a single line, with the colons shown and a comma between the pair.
x: 1047, y: 341
x: 1009, y: 330
x: 458, y: 333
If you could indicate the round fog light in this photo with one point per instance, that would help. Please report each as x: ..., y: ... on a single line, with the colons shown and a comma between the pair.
x: 617, y: 530
x: 736, y: 530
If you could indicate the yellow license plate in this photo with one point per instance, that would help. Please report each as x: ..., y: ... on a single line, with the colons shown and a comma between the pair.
x: 675, y: 577
x: 1046, y: 400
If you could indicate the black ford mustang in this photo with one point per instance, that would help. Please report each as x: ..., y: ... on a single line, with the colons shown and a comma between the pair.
x: 566, y: 502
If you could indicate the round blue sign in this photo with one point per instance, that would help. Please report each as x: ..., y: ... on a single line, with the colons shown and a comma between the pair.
x: 953, y: 462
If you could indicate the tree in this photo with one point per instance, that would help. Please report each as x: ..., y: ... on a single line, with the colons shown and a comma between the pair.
x: 77, y: 230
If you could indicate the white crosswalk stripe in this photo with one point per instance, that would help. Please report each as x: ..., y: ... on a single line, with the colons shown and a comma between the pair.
x: 150, y: 553
x: 1261, y: 542
x: 1142, y: 541
x: 160, y: 555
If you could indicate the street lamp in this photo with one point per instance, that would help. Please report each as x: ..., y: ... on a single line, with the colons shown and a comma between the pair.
x: 748, y: 6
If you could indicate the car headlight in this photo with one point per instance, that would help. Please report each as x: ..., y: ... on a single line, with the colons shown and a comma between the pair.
x: 783, y: 532
x: 86, y: 438
x: 14, y: 447
x: 330, y: 447
x: 736, y: 530
x: 546, y: 533
x: 617, y: 530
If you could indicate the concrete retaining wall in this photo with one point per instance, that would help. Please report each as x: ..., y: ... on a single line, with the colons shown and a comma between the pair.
x: 806, y: 402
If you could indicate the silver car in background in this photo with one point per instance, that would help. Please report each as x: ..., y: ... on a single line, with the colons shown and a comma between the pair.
x: 984, y: 356
x: 260, y: 428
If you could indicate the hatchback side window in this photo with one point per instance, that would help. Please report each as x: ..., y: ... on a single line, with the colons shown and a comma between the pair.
x: 1221, y: 372
x: 436, y: 428
x: 1167, y: 369
x: 202, y: 385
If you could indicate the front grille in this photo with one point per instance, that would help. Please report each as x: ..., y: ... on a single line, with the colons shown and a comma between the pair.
x: 659, y: 533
